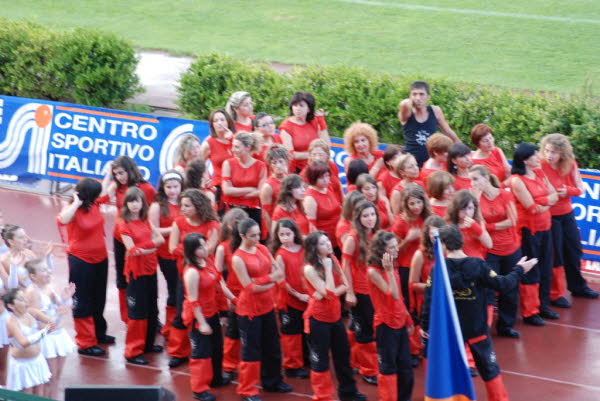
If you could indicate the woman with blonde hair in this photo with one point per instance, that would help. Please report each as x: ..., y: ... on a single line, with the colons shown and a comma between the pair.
x: 188, y: 149
x: 360, y: 141
x: 239, y: 107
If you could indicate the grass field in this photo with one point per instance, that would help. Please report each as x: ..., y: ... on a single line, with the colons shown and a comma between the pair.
x: 539, y: 44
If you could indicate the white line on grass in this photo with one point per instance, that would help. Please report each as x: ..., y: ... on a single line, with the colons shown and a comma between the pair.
x: 474, y: 12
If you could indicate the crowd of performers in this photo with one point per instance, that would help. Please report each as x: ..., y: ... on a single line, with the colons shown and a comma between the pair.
x: 270, y: 266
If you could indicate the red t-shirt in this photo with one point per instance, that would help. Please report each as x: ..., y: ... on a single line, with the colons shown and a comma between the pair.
x: 358, y: 269
x: 296, y: 215
x: 494, y: 164
x: 471, y: 244
x: 400, y: 228
x: 329, y: 210
x: 388, y: 181
x: 389, y: 311
x: 539, y: 192
x: 461, y: 183
x: 207, y: 295
x: 167, y: 221
x: 294, y: 277
x: 505, y: 242
x: 302, y: 136
x: 563, y: 205
x: 149, y: 193
x: 258, y: 264
x: 85, y: 233
x: 240, y: 177
x: 141, y: 234
x: 219, y: 152
x: 327, y: 309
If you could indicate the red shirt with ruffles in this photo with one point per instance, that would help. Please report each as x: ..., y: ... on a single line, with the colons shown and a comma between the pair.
x: 141, y: 234
x: 327, y: 309
x: 389, y: 311
x: 294, y: 277
x: 207, y: 295
x: 258, y: 265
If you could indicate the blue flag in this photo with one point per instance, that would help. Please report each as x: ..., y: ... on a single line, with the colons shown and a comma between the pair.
x: 448, y: 377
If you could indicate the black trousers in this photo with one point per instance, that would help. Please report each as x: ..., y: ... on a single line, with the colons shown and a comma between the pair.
x: 90, y: 291
x: 120, y: 251
x: 539, y: 246
x: 142, y: 293
x: 485, y: 358
x: 290, y: 321
x: 394, y: 357
x: 567, y: 250
x: 179, y: 297
x: 404, y: 273
x: 508, y: 302
x: 209, y: 346
x: 168, y: 267
x: 253, y: 212
x: 260, y: 343
x: 362, y: 319
x: 233, y: 329
x: 324, y: 337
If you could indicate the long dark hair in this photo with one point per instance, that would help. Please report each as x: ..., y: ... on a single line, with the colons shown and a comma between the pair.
x: 456, y: 150
x: 286, y: 197
x: 426, y: 243
x: 311, y: 256
x: 362, y: 234
x: 191, y: 242
x: 161, y: 196
x: 378, y: 246
x: 134, y: 176
x: 202, y: 204
x: 285, y: 223
x: 460, y: 201
x: 134, y: 193
x: 229, y: 221
x: 194, y: 173
x: 523, y: 152
x: 88, y: 190
x: 310, y: 101
x: 241, y: 228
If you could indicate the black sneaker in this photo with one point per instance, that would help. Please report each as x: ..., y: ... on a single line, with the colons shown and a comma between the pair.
x: 587, y: 292
x: 508, y: 332
x: 280, y: 387
x: 356, y: 396
x: 92, y: 351
x: 154, y: 348
x: 138, y: 360
x: 297, y: 373
x: 534, y: 320
x: 106, y: 339
x: 205, y: 396
x: 229, y: 375
x: 175, y: 361
x: 225, y: 380
x: 252, y: 398
x: 548, y: 313
x: 561, y: 303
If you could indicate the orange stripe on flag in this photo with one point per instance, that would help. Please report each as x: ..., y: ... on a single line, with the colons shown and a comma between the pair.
x: 458, y: 397
x: 105, y: 114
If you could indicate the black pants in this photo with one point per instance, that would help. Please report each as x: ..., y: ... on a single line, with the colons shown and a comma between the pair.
x: 119, y: 251
x: 260, y: 343
x: 253, y: 212
x: 394, y: 357
x: 539, y: 246
x: 362, y: 319
x: 404, y: 273
x: 179, y: 297
x: 90, y: 291
x: 567, y: 250
x: 142, y: 293
x: 292, y: 323
x: 331, y: 336
x: 233, y: 329
x: 485, y: 358
x: 508, y: 302
x: 168, y: 267
x: 209, y: 346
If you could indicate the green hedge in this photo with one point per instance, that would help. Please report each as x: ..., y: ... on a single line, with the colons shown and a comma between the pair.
x: 82, y: 66
x: 351, y: 94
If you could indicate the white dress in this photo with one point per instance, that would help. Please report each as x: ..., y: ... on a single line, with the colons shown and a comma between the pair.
x: 26, y: 372
x: 59, y: 342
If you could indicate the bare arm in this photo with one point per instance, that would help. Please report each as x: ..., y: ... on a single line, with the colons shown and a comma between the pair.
x: 154, y: 217
x: 310, y: 208
x: 414, y: 275
x: 174, y: 237
x: 348, y: 248
x: 443, y: 124
x: 191, y: 285
x: 68, y: 212
x: 404, y: 110
x: 129, y: 245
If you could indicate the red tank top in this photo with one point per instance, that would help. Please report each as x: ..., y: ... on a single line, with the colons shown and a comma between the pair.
x: 563, y: 205
x: 494, y: 164
x: 358, y: 269
x: 538, y: 191
x: 389, y: 311
x: 296, y: 215
x: 302, y: 136
x: 207, y: 295
x: 400, y: 228
x: 504, y: 242
x: 328, y: 212
x: 258, y: 264
x: 85, y: 233
x: 219, y: 152
x: 240, y: 177
x: 167, y: 221
x: 141, y: 234
x: 207, y: 228
x: 327, y: 309
x: 294, y: 277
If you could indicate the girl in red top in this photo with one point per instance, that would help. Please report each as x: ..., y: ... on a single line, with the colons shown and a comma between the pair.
x: 189, y: 148
x: 318, y: 151
x: 459, y: 161
x: 392, y: 322
x: 196, y: 176
x: 223, y: 255
x: 437, y: 147
x: 288, y: 249
x: 239, y: 106
x: 463, y: 212
x: 88, y: 266
x: 365, y: 222
x: 408, y: 169
x: 243, y: 175
x: 500, y: 216
x: 559, y: 165
x: 277, y: 158
x: 360, y: 141
x: 125, y: 174
x: 258, y: 274
x: 323, y: 321
x: 161, y: 214
x: 487, y: 154
x: 197, y: 215
x: 389, y: 176
x: 303, y: 125
x: 535, y: 195
x: 141, y: 240
x: 289, y: 203
x: 367, y: 185
x: 201, y: 313
x: 441, y: 191
x: 217, y: 147
x: 344, y: 224
x: 321, y: 204
x: 263, y: 124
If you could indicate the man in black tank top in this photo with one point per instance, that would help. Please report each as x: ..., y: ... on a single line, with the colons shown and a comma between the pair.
x: 420, y: 120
